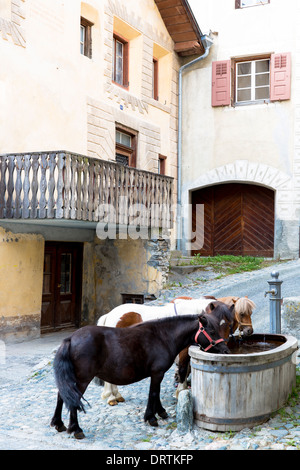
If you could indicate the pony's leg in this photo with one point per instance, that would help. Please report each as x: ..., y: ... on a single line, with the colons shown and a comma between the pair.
x: 160, y: 409
x: 73, y: 423
x: 117, y: 394
x: 56, y: 420
x: 108, y: 393
x: 154, y: 405
x: 183, y: 371
x: 74, y: 426
x: 181, y: 386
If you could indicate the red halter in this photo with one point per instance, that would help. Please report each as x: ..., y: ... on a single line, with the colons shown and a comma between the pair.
x: 212, y: 343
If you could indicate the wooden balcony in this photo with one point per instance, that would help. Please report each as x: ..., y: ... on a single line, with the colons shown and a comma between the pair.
x: 67, y: 186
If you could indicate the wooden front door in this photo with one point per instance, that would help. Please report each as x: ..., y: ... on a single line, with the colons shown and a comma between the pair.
x: 238, y: 220
x: 61, y: 286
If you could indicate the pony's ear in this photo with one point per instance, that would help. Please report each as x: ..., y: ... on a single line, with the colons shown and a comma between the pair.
x: 203, y: 320
x: 231, y: 308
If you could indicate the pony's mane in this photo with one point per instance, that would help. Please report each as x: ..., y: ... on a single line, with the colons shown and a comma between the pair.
x: 222, y: 310
x: 244, y: 305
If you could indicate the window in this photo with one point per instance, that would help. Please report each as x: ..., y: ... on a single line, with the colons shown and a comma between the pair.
x: 126, y: 147
x: 249, y: 3
x: 155, y: 80
x: 161, y: 74
x: 253, y: 81
x: 133, y: 298
x: 162, y: 164
x: 120, y: 62
x: 86, y: 37
x: 65, y: 273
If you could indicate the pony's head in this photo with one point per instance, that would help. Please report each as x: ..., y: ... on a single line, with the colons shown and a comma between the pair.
x: 208, y: 336
x: 243, y: 309
x: 223, y: 316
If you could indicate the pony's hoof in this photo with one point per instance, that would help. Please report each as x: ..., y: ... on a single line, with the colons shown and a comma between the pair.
x: 164, y: 415
x: 61, y: 428
x: 58, y: 427
x: 120, y: 400
x: 153, y: 422
x: 112, y: 402
x: 79, y: 435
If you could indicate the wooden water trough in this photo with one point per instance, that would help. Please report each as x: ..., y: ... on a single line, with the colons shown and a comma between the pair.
x: 237, y: 391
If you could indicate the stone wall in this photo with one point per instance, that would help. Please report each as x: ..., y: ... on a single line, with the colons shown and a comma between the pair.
x: 115, y: 267
x: 291, y: 316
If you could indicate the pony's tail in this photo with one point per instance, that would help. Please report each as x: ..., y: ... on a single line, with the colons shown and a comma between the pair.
x: 65, y: 378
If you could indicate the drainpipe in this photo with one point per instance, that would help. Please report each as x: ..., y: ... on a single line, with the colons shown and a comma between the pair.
x: 207, y: 43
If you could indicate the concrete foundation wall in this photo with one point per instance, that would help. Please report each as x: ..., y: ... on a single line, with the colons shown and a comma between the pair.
x: 115, y: 267
x: 21, y: 281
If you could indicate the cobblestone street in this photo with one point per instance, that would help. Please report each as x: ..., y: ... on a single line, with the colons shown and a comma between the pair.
x: 28, y: 398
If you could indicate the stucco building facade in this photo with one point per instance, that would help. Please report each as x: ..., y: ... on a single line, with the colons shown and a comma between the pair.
x: 89, y: 120
x: 240, y: 133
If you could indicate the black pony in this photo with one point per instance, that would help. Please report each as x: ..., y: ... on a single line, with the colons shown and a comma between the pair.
x: 124, y: 356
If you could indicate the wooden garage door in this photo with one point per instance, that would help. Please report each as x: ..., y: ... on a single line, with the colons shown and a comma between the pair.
x: 238, y: 220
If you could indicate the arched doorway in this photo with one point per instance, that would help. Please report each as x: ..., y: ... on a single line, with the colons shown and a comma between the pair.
x: 238, y: 220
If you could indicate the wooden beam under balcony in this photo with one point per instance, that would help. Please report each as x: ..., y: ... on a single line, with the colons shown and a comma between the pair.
x: 67, y: 186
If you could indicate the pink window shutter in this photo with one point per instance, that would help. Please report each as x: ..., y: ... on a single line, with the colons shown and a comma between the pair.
x: 221, y: 83
x: 280, y: 83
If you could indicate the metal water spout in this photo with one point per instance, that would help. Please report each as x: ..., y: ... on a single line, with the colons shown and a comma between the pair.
x: 275, y: 303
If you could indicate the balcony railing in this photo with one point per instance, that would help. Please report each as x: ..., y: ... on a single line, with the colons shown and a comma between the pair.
x: 63, y: 185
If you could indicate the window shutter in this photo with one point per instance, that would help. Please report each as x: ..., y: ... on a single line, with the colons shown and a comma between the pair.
x: 280, y: 85
x: 221, y: 83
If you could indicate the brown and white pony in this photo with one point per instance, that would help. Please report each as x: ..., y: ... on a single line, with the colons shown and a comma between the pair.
x: 126, y: 315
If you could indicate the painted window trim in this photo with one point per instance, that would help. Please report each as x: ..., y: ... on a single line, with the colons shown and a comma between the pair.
x: 128, y: 152
x: 221, y: 92
x: 125, y: 84
x: 87, y: 25
x: 162, y: 160
x: 279, y: 83
x: 253, y: 86
x: 155, y: 78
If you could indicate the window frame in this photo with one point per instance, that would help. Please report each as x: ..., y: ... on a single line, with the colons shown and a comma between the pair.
x: 162, y: 164
x: 234, y: 92
x: 238, y: 4
x: 87, y: 43
x: 124, y: 150
x: 155, y: 85
x: 125, y: 61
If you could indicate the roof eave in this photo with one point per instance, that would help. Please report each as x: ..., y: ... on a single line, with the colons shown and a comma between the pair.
x: 186, y: 46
